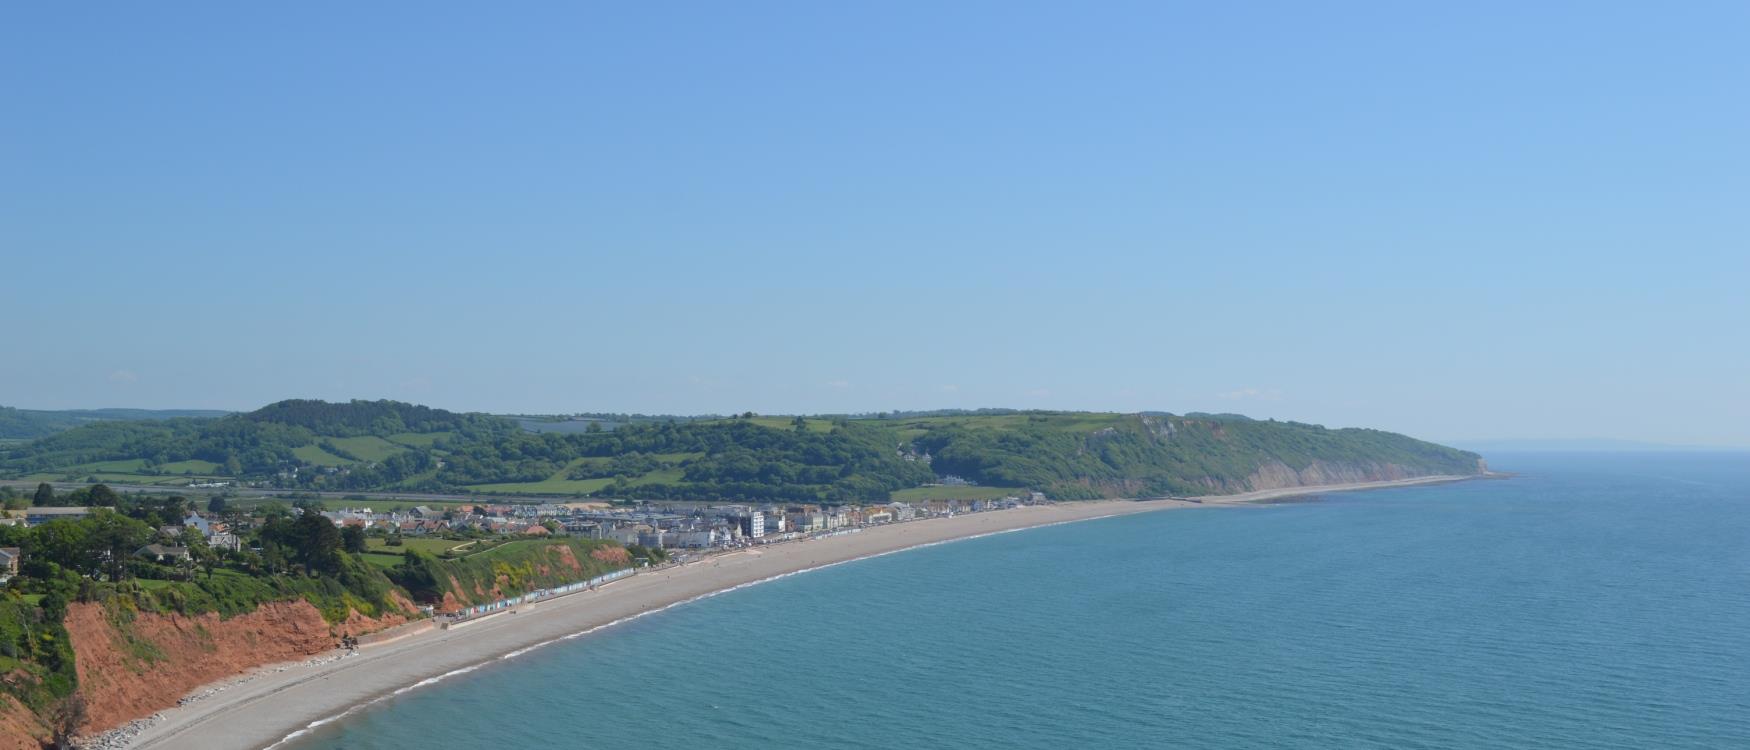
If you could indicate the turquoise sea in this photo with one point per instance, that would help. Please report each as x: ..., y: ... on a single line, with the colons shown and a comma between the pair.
x: 1595, y: 601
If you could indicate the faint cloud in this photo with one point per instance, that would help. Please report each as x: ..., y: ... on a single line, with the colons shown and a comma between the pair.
x: 1039, y: 392
x: 701, y: 380
x: 1252, y: 394
x: 950, y: 388
x: 123, y: 376
x: 838, y: 383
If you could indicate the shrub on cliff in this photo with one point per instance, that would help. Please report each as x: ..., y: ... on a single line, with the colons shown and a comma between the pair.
x: 35, y: 653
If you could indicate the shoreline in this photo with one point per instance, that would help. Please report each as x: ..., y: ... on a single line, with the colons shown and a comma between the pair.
x: 277, y: 704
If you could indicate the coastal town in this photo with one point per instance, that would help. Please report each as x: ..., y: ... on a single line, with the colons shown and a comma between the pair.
x: 665, y: 525
x: 659, y: 531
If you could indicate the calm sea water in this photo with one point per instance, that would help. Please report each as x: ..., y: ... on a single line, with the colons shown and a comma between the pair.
x: 1594, y: 602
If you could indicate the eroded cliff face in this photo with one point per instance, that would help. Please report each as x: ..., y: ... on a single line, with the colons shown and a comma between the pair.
x: 1278, y: 475
x: 19, y: 728
x: 133, y: 664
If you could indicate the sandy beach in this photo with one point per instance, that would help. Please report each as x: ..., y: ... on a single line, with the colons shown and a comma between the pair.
x: 267, y: 706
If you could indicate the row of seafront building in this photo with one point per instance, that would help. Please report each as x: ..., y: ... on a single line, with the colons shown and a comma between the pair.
x: 705, y: 527
x: 665, y: 525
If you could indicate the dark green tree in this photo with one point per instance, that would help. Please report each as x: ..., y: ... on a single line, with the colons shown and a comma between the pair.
x: 317, y: 543
x: 418, y: 573
x: 352, y: 539
x: 45, y: 495
x: 113, y: 538
x: 102, y: 496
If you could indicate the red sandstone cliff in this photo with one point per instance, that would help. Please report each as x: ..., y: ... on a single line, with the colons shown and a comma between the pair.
x: 134, y: 664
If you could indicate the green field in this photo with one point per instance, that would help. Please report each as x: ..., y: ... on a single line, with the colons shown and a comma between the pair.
x: 663, y: 476
x: 107, y: 478
x: 131, y: 471
x: 419, y: 439
x: 1070, y: 421
x: 557, y: 484
x: 784, y: 423
x: 314, y: 455
x: 954, y: 492
x: 367, y: 447
x: 554, y: 485
x: 191, y: 466
x: 131, y: 466
x: 389, y: 505
x: 561, y: 484
x: 416, y: 480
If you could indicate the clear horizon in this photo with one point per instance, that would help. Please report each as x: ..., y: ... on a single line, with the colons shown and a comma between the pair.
x: 1495, y: 221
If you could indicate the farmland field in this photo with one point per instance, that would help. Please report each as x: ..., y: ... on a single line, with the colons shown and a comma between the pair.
x: 419, y: 439
x: 133, y: 471
x: 1074, y: 421
x: 661, y: 476
x: 784, y: 423
x: 129, y: 466
x: 314, y: 455
x: 367, y: 447
x: 554, y: 485
x: 112, y: 478
x: 191, y: 466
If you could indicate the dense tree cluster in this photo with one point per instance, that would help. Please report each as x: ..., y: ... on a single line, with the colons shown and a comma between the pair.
x: 369, y: 418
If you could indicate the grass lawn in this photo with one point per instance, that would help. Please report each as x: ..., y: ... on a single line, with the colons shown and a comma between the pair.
x: 953, y: 492
x: 314, y: 455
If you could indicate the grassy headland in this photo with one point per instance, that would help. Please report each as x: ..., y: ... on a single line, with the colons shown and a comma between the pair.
x: 385, y: 445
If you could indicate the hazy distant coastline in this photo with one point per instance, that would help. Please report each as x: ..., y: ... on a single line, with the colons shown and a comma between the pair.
x: 1584, y: 445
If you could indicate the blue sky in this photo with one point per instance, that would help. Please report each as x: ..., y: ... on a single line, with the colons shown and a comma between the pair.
x: 1477, y: 221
